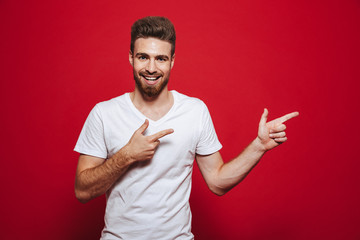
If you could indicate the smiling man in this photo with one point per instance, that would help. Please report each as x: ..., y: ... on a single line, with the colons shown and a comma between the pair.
x: 147, y: 182
x: 151, y: 63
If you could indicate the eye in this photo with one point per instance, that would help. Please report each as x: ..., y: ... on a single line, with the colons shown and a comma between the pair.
x: 142, y: 57
x: 161, y: 59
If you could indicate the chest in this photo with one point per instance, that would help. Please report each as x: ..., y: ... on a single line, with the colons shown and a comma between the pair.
x: 155, y: 114
x: 120, y: 126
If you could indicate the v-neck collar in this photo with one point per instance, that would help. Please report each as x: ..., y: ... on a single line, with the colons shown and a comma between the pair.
x: 143, y: 117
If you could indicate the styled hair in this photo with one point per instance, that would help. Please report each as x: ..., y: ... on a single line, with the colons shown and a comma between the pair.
x: 153, y: 26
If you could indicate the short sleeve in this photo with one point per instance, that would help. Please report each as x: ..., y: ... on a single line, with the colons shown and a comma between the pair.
x: 208, y: 142
x: 92, y: 140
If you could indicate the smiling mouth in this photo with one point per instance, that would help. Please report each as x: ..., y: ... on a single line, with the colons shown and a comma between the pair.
x: 151, y: 78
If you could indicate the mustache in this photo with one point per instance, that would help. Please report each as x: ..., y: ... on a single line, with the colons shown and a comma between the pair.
x: 146, y: 74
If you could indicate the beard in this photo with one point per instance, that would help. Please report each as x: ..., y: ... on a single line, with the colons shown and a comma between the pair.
x: 150, y: 91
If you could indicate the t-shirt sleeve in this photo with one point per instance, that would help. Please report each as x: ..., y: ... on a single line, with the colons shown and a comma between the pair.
x: 92, y: 140
x: 208, y: 142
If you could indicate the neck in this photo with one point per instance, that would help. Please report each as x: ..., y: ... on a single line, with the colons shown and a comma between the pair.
x: 141, y: 100
x: 153, y: 108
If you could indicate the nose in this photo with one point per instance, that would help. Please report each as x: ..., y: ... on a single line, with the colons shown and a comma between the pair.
x: 151, y: 66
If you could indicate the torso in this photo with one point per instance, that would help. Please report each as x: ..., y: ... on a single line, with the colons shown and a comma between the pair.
x: 151, y: 200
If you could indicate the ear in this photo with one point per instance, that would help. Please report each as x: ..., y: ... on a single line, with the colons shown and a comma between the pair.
x: 131, y: 58
x: 172, y: 61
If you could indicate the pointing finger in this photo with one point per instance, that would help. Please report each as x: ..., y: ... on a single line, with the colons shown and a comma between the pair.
x: 287, y: 117
x: 143, y: 127
x: 264, y: 116
x: 161, y: 134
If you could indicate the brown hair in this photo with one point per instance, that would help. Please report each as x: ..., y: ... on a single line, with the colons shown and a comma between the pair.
x: 152, y: 26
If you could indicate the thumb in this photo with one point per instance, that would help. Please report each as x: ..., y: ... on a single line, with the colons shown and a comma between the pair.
x: 143, y: 127
x: 264, y: 116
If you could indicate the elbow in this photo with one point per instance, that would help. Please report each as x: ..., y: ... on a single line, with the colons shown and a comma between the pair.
x: 82, y: 196
x: 219, y: 191
x: 218, y: 187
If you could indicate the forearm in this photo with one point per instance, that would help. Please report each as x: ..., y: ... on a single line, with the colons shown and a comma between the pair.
x: 222, y: 177
x: 95, y: 181
x: 233, y: 172
x: 95, y: 176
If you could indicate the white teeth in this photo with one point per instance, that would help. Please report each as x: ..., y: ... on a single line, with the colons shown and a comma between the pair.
x: 151, y: 78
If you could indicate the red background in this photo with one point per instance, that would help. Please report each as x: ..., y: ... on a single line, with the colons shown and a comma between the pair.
x: 59, y: 58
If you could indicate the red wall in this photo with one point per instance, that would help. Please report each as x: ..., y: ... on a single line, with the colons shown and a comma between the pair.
x: 59, y: 58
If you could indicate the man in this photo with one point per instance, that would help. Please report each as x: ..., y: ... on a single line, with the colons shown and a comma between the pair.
x: 148, y: 182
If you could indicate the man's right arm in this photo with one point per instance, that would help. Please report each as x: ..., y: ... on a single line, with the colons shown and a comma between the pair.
x: 94, y: 176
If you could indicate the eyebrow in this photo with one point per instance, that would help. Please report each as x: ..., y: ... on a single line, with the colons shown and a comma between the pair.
x: 163, y: 56
x: 141, y: 54
x: 147, y: 55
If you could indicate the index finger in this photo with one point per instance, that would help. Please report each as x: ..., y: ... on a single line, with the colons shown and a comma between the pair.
x: 161, y: 134
x: 287, y: 117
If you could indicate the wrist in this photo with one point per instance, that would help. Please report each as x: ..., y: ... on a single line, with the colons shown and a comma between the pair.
x: 259, y: 146
x: 123, y: 157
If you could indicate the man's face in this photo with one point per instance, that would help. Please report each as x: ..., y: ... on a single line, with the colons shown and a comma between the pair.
x: 152, y: 62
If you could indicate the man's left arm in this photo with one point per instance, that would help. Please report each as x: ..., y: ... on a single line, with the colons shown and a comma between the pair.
x: 221, y: 177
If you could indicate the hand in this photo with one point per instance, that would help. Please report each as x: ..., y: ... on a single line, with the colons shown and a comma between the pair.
x: 140, y: 147
x: 272, y: 134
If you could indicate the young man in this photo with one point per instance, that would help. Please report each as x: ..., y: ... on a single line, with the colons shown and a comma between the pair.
x: 148, y: 182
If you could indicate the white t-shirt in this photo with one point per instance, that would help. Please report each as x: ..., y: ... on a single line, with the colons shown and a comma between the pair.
x: 151, y: 200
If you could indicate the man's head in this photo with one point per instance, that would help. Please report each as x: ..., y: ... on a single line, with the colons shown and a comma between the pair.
x: 156, y: 27
x: 152, y: 54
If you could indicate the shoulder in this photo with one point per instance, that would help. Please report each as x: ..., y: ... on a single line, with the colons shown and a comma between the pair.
x: 112, y: 104
x: 186, y: 101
